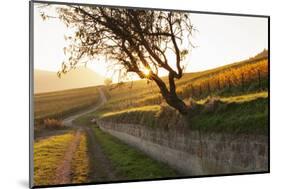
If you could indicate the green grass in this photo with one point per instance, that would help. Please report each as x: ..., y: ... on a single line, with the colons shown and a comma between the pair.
x: 239, y: 114
x: 250, y: 117
x: 85, y: 120
x: 80, y: 162
x: 146, y: 115
x: 143, y: 115
x: 131, y: 163
x: 238, y: 98
x: 47, y: 155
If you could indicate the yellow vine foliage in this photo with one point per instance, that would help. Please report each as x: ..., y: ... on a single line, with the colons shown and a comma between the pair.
x: 235, y: 76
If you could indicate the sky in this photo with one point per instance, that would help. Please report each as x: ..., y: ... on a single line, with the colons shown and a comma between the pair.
x: 219, y: 40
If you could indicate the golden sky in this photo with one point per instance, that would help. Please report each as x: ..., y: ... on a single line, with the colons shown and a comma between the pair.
x: 220, y: 40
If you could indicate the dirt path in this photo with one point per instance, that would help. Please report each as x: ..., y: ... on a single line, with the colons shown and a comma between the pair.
x: 100, y: 167
x: 63, y: 172
x: 68, y: 121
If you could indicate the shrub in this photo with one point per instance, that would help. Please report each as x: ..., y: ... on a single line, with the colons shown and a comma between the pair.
x: 53, y: 124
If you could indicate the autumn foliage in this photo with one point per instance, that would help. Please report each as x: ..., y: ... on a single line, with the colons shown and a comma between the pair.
x: 234, y: 77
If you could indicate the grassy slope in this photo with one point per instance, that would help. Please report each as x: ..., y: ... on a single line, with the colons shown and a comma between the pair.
x: 236, y: 117
x: 129, y: 162
x: 143, y: 94
x: 239, y: 110
x: 62, y: 103
x: 239, y: 114
x: 47, y: 155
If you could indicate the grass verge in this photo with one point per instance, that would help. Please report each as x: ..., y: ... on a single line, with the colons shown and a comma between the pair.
x: 131, y: 163
x: 236, y: 114
x: 47, y: 155
x: 248, y: 117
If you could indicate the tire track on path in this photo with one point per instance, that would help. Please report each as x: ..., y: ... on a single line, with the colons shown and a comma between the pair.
x: 63, y: 172
x: 100, y: 167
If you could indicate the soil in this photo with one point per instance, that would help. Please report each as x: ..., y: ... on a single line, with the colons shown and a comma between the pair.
x: 63, y: 172
x: 101, y: 169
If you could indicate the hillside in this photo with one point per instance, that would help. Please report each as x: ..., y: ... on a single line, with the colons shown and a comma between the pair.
x: 47, y: 81
x: 198, y: 84
x: 141, y: 92
x: 239, y: 90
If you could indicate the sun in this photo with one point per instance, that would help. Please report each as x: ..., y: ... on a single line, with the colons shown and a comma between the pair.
x: 146, y: 71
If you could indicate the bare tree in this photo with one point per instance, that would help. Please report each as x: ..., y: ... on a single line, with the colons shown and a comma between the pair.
x: 138, y: 41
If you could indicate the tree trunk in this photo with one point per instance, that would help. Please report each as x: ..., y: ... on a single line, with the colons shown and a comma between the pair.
x: 170, y: 96
x: 174, y: 101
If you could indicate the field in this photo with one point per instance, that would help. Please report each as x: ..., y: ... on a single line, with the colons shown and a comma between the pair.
x: 47, y: 157
x: 58, y: 105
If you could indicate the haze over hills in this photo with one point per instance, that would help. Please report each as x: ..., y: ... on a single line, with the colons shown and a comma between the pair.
x: 48, y: 81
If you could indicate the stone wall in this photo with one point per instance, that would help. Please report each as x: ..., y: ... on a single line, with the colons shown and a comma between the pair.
x: 194, y: 152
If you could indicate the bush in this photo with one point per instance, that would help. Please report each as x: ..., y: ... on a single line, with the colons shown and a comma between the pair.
x: 53, y: 124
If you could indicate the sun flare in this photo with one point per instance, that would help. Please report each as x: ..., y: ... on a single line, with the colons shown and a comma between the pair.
x: 146, y: 71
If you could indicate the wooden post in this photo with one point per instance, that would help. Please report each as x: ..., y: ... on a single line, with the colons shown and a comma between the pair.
x: 219, y: 85
x: 229, y: 84
x: 200, y: 90
x: 242, y: 81
x: 209, y: 88
x: 259, y: 77
x: 192, y: 91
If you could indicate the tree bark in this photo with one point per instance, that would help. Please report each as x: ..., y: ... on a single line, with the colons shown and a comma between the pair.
x: 171, y: 96
x: 177, y: 103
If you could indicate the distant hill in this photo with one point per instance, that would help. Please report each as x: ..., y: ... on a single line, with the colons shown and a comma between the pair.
x: 48, y: 81
x: 263, y: 54
x: 260, y: 56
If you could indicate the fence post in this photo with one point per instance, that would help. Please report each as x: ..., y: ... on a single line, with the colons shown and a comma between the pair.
x: 259, y: 76
x: 209, y: 88
x: 229, y: 84
x: 219, y: 85
x: 200, y: 90
x: 192, y: 90
x: 242, y: 81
